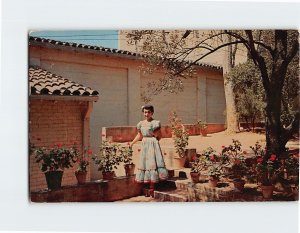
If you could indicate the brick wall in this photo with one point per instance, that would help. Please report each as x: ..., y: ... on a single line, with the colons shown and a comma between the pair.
x: 52, y: 122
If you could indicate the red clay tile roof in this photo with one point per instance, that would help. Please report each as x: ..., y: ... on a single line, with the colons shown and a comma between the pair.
x: 102, y: 49
x: 43, y: 82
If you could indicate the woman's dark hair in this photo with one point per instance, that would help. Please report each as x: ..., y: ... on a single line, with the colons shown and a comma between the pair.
x: 148, y: 107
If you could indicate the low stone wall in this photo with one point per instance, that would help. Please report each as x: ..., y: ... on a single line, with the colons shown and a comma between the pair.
x: 127, y: 133
x: 96, y: 191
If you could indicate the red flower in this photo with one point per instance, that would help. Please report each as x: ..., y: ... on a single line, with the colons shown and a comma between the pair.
x: 59, y: 145
x: 259, y: 160
x: 90, y: 152
x: 273, y: 157
x: 194, y: 157
x: 212, y: 157
x: 237, y: 162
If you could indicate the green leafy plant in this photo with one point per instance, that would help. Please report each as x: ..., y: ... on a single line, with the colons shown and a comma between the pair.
x: 108, y: 158
x: 180, y: 135
x: 201, y: 125
x: 55, y: 158
x: 234, y: 155
x: 198, y: 163
x: 126, y: 155
x: 83, y: 161
x: 266, y: 169
x: 214, y: 163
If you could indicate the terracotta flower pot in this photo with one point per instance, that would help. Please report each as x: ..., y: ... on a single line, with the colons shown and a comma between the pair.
x: 195, y: 176
x: 129, y: 169
x: 81, y: 176
x: 204, y: 132
x: 239, y: 184
x: 108, y: 175
x: 54, y: 179
x: 213, y: 181
x: 267, y: 191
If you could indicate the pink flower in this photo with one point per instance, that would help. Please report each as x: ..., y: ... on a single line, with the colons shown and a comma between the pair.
x: 273, y: 157
x: 90, y: 152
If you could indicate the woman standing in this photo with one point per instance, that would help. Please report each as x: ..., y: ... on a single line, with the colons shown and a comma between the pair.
x: 151, y: 168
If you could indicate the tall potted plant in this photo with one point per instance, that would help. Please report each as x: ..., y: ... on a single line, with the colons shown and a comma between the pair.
x: 108, y: 159
x: 126, y: 155
x: 180, y: 138
x: 53, y: 161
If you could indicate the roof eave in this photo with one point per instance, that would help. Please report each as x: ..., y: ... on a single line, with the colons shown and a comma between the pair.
x: 65, y: 98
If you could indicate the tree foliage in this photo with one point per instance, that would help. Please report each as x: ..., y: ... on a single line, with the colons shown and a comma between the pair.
x: 273, y: 52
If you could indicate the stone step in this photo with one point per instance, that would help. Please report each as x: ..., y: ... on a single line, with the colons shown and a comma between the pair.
x: 171, y: 196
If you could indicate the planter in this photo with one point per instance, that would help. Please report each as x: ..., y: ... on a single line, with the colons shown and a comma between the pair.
x: 81, y: 176
x: 54, y: 179
x: 213, y: 181
x: 108, y: 175
x: 178, y: 162
x: 195, y: 176
x: 171, y: 173
x: 239, y: 184
x: 129, y: 169
x: 203, y: 132
x: 267, y: 191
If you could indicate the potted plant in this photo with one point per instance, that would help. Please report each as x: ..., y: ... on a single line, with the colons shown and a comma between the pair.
x: 126, y: 155
x: 108, y: 159
x: 214, y: 165
x: 291, y: 170
x: 266, y: 171
x: 203, y: 128
x: 236, y: 159
x: 83, y: 162
x: 180, y: 137
x: 197, y: 165
x: 53, y: 161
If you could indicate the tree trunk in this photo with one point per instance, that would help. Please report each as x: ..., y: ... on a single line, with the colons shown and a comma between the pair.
x: 231, y: 116
x: 274, y: 143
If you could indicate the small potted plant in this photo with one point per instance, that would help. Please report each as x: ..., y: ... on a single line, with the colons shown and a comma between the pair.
x: 214, y: 165
x: 237, y: 163
x: 197, y: 165
x: 203, y: 128
x: 126, y: 155
x: 291, y: 167
x: 53, y: 161
x: 266, y: 171
x: 108, y: 159
x: 83, y: 163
